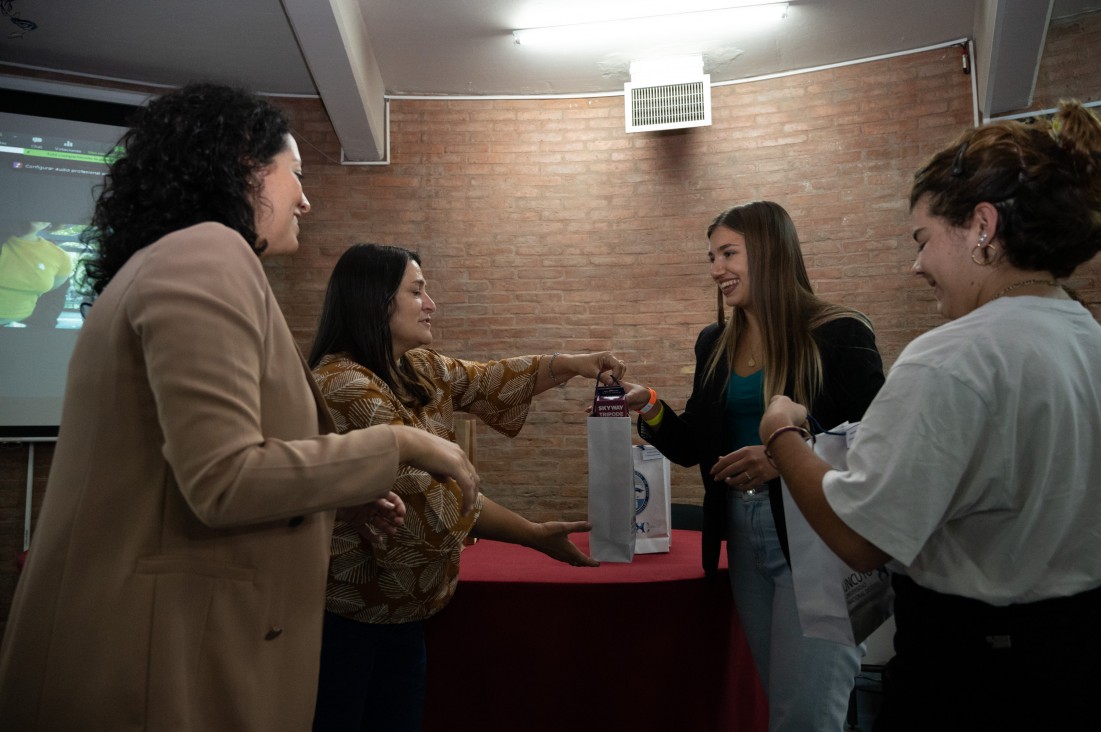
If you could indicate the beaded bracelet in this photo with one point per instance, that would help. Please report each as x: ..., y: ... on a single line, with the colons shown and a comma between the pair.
x: 650, y: 404
x: 550, y: 372
x: 804, y: 432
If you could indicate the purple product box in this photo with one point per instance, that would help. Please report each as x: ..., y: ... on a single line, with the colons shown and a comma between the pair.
x: 610, y: 401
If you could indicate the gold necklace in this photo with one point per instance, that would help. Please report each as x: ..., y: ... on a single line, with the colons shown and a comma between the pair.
x: 752, y: 360
x: 1023, y: 283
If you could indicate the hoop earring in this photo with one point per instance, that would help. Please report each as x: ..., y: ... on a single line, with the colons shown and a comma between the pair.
x: 986, y: 249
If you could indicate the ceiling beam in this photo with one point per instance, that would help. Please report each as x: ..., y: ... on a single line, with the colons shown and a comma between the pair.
x: 334, y: 41
x: 1009, y: 40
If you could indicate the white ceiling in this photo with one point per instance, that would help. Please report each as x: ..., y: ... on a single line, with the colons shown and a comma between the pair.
x: 353, y: 53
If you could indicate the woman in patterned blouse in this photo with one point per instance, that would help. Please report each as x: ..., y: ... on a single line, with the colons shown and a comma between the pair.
x: 372, y: 363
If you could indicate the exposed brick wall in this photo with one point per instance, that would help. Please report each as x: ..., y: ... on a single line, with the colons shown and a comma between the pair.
x: 544, y: 226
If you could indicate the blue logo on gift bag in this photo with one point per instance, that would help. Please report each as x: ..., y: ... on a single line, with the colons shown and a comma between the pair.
x: 642, y: 493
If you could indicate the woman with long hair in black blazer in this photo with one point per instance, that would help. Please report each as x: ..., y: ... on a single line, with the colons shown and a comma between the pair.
x: 779, y: 338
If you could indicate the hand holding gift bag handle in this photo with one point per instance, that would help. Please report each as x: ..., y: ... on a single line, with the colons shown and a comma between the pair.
x: 835, y: 602
x: 611, y: 475
x: 609, y: 400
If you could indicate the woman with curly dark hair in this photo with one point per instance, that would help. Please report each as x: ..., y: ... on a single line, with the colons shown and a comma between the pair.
x: 177, y: 573
x: 976, y: 470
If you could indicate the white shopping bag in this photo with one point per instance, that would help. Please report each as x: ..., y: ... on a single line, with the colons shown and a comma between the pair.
x: 835, y: 602
x: 611, y: 489
x: 653, y: 502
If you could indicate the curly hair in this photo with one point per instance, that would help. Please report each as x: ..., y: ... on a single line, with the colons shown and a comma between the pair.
x: 783, y: 299
x: 190, y: 156
x: 355, y: 318
x: 1043, y: 178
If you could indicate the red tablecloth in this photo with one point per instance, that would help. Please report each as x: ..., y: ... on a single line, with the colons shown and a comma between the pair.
x: 530, y: 644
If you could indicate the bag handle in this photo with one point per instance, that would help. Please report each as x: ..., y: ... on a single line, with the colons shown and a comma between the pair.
x: 614, y: 379
x: 818, y: 428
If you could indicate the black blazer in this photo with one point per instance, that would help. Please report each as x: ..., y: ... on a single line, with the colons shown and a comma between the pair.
x: 852, y: 374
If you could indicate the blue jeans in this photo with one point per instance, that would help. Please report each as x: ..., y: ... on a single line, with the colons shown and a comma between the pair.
x: 807, y: 680
x: 372, y: 677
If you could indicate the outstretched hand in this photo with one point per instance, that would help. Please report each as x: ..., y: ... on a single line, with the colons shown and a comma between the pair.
x: 602, y: 365
x: 553, y: 539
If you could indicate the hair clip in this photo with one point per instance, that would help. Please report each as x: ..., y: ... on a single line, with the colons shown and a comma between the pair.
x: 957, y: 165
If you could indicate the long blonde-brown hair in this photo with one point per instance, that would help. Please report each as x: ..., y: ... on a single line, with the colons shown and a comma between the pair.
x: 782, y: 298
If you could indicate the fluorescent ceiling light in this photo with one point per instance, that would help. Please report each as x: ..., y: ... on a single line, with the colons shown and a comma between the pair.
x: 681, y: 25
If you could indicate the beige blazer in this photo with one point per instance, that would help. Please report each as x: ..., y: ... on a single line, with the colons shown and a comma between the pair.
x: 177, y: 573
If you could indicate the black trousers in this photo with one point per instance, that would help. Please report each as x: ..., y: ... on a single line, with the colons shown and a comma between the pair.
x: 964, y: 664
x: 372, y: 677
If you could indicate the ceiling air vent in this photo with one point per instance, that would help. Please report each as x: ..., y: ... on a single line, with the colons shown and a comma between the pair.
x: 667, y: 94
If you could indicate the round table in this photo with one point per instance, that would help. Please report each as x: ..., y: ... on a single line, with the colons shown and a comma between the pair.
x: 532, y: 644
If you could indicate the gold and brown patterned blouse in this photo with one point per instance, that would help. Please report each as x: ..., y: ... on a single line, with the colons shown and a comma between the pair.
x: 412, y: 575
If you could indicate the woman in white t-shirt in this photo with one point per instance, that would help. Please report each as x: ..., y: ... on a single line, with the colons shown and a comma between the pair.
x: 976, y: 471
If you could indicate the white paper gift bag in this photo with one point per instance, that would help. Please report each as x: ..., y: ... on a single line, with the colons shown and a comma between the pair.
x: 835, y: 602
x: 653, y: 502
x: 611, y: 489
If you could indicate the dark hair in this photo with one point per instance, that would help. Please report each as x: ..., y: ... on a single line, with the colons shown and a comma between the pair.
x: 1042, y: 178
x: 190, y: 156
x: 355, y: 319
x: 783, y: 300
x: 9, y: 228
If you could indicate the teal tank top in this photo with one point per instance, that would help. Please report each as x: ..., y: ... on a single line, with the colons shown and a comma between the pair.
x: 743, y: 409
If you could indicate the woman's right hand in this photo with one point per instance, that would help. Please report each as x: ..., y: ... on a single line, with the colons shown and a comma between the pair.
x: 637, y: 395
x: 440, y: 458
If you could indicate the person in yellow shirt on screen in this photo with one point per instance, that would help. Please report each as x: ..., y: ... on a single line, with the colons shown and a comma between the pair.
x: 30, y: 267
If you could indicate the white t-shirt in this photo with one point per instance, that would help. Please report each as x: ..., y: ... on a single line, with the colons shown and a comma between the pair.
x: 978, y: 466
